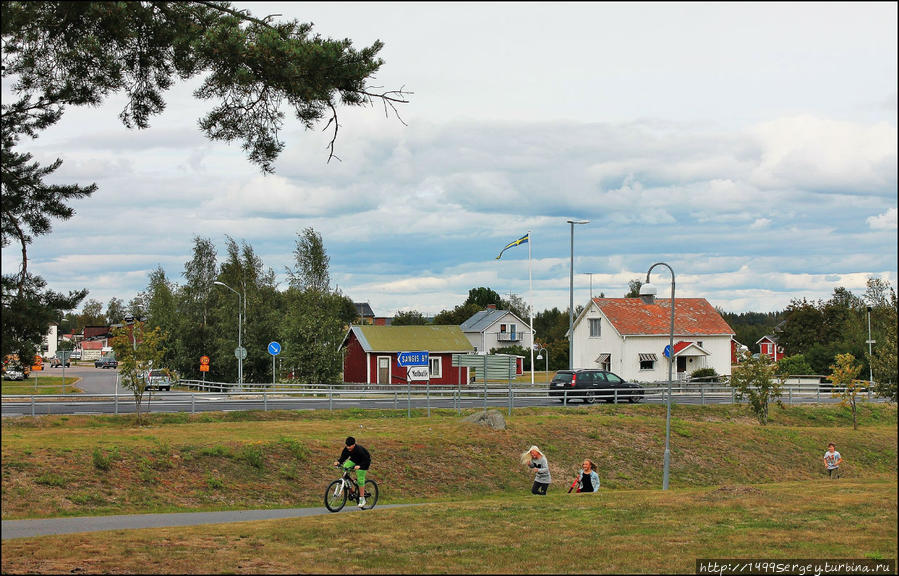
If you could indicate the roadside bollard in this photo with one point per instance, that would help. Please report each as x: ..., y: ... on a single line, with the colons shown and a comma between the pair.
x: 192, y: 404
x: 264, y: 402
x: 32, y: 405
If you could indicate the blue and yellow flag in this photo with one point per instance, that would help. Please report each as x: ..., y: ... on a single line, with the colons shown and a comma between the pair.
x: 521, y: 240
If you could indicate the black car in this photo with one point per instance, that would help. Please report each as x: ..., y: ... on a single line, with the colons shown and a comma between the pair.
x: 106, y: 362
x: 590, y: 385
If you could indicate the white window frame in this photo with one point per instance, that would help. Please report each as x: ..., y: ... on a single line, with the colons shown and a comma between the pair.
x: 597, y: 322
x: 438, y: 363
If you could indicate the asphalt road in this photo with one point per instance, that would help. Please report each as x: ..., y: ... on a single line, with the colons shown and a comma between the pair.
x: 71, y: 525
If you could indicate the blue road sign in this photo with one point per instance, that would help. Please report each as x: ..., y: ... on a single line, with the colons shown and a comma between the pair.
x: 274, y: 348
x: 412, y: 358
x: 667, y: 352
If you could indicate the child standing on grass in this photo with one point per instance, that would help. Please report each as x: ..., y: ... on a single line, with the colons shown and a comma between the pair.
x: 832, y: 461
x: 535, y: 459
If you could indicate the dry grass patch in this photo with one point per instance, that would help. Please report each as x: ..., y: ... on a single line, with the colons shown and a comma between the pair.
x: 626, y: 531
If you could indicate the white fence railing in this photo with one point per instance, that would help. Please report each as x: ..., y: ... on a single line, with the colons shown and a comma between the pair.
x: 216, y: 396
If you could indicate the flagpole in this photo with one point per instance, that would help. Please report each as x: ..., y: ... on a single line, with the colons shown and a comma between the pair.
x: 531, y: 298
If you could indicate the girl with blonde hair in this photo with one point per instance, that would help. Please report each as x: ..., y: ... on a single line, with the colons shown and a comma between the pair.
x: 535, y: 459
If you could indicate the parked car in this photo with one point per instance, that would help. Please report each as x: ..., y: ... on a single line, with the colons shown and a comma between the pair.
x: 590, y: 385
x: 56, y: 362
x: 13, y: 374
x: 106, y: 362
x: 75, y: 355
x: 158, y: 379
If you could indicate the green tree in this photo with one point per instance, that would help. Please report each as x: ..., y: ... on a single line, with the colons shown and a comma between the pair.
x: 484, y: 297
x: 115, y: 311
x: 137, y: 349
x: 517, y: 305
x: 846, y: 385
x: 161, y: 310
x: 794, y: 365
x: 78, y: 53
x: 633, y: 288
x: 754, y: 379
x: 315, y: 319
x: 457, y: 315
x: 881, y: 297
x: 312, y: 331
x: 92, y: 314
x: 312, y: 262
x: 409, y: 318
x: 802, y: 327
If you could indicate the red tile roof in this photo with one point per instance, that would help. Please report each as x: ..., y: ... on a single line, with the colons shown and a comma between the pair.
x: 692, y: 316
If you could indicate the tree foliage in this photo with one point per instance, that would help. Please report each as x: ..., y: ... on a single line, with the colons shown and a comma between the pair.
x: 79, y: 53
x: 409, y: 318
x: 794, y: 365
x: 312, y: 263
x: 137, y: 348
x: 633, y: 288
x: 754, y: 379
x: 846, y: 385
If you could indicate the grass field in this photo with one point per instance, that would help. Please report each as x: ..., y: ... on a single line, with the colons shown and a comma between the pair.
x: 738, y: 489
x: 40, y: 385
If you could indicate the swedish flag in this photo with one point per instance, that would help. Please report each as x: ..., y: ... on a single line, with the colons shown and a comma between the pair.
x: 521, y: 240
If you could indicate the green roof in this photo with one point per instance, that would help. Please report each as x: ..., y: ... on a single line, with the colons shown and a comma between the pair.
x: 411, y: 338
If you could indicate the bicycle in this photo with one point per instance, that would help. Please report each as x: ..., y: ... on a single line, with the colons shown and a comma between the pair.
x: 345, y: 488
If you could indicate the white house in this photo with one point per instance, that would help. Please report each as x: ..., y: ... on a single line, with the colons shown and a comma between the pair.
x: 628, y: 336
x: 492, y: 328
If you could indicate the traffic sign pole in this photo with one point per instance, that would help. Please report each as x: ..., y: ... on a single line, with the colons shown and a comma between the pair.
x: 274, y: 348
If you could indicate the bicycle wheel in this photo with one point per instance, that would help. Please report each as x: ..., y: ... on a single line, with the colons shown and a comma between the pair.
x: 335, y: 496
x: 371, y: 494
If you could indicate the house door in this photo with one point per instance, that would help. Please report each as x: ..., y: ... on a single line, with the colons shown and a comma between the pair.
x: 681, y: 364
x: 383, y: 369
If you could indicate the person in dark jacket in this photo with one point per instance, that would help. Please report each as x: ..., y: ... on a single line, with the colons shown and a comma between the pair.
x: 355, y: 456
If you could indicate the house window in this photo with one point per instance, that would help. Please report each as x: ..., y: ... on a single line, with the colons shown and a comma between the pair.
x: 595, y: 331
x: 435, y: 367
x: 647, y: 361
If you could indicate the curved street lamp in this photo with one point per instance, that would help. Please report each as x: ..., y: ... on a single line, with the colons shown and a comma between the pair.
x: 540, y: 357
x: 239, y: 331
x: 648, y: 289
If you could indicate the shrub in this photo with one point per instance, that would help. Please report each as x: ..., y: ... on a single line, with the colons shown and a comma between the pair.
x: 214, y: 482
x: 51, y: 479
x: 705, y: 374
x: 101, y: 460
x: 297, y: 449
x: 253, y: 456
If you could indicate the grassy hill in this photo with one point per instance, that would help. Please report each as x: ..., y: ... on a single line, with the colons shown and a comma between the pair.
x: 79, y: 465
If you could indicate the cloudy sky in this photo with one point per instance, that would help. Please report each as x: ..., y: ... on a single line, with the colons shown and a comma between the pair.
x: 753, y: 147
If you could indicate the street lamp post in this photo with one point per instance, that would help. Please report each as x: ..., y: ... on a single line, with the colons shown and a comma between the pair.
x: 648, y: 289
x: 571, y: 297
x: 869, y: 342
x: 540, y: 357
x: 239, y: 332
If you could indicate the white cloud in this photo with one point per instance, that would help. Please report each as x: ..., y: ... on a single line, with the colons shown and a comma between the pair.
x: 885, y: 221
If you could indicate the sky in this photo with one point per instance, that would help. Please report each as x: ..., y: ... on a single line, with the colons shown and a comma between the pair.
x: 750, y: 146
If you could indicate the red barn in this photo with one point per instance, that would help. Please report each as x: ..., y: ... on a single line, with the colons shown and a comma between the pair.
x: 371, y: 353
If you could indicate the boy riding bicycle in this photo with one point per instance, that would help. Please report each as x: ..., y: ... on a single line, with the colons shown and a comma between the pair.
x: 360, y: 462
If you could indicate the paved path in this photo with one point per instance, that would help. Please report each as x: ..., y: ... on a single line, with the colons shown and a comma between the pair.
x: 48, y: 526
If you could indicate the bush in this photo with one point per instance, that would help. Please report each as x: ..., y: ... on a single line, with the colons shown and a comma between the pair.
x: 705, y: 375
x: 101, y: 460
x: 252, y: 455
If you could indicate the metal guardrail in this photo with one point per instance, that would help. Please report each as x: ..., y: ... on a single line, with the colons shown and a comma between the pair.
x: 499, y: 395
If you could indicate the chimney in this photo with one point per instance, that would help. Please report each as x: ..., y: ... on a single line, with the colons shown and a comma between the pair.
x: 491, y: 306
